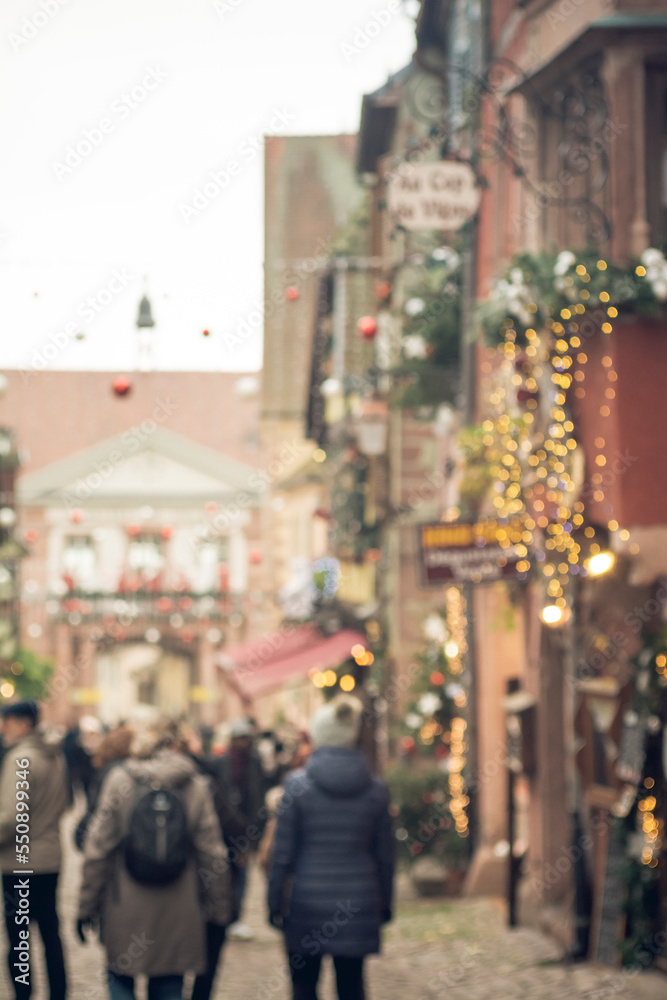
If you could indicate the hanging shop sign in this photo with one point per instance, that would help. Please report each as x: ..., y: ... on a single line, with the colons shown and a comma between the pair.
x: 440, y: 195
x: 202, y: 695
x: 84, y: 696
x: 468, y: 552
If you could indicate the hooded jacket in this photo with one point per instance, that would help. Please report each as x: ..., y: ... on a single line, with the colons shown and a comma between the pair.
x: 155, y: 930
x: 333, y: 860
x: 49, y: 797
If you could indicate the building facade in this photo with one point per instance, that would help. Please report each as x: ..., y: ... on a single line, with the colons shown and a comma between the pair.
x: 140, y: 517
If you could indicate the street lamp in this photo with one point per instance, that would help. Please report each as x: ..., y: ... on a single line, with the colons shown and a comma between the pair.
x: 600, y: 563
x: 373, y: 427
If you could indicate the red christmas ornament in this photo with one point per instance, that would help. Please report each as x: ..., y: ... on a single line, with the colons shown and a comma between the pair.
x: 76, y: 515
x: 437, y: 678
x: 292, y: 293
x: 164, y: 604
x: 31, y: 535
x: 255, y: 556
x: 206, y: 333
x: 367, y: 327
x: 133, y: 529
x: 121, y: 385
x: 166, y: 531
x: 187, y: 635
x: 185, y: 603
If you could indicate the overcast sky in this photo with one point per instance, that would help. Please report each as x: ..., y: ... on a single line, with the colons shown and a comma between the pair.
x: 113, y: 114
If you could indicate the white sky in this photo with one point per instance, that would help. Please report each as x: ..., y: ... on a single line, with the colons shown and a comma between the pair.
x: 229, y: 66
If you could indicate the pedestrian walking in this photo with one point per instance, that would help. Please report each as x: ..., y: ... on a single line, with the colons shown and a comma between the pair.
x: 331, y: 877
x: 233, y: 829
x: 80, y: 746
x: 274, y: 797
x: 240, y: 770
x: 114, y: 748
x: 34, y: 793
x: 155, y: 869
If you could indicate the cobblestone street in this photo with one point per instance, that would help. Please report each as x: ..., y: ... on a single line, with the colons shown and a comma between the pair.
x: 456, y: 949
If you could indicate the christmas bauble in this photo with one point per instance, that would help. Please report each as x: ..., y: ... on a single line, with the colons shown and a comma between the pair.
x: 121, y: 385
x: 367, y: 327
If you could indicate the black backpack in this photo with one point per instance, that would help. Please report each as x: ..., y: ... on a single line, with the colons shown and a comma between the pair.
x: 157, y: 845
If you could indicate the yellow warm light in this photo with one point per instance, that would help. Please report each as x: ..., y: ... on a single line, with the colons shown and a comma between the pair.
x: 318, y: 679
x: 347, y: 682
x: 330, y: 678
x: 358, y: 650
x: 600, y: 563
x: 551, y: 614
x: 319, y: 455
x: 7, y: 689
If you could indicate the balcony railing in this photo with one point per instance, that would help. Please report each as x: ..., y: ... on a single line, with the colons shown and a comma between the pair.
x: 166, y: 607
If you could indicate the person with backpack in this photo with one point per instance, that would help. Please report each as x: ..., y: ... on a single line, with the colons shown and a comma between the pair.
x: 331, y: 877
x: 155, y: 869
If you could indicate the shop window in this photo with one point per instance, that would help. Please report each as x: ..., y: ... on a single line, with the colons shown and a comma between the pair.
x: 79, y: 562
x: 145, y: 558
x: 212, y: 563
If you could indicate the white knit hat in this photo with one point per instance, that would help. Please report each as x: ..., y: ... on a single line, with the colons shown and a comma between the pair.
x: 338, y: 723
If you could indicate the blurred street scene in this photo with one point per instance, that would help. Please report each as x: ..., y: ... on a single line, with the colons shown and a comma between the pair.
x: 458, y: 948
x: 389, y: 605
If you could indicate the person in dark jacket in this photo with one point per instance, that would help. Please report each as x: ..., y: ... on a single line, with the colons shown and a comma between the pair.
x: 331, y: 878
x: 232, y: 828
x: 34, y: 772
x: 239, y: 774
x: 79, y: 746
x: 114, y: 748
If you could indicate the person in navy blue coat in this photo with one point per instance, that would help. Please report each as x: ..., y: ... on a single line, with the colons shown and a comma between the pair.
x: 331, y: 879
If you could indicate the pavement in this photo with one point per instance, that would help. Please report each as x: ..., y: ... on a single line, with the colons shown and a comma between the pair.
x: 453, y: 949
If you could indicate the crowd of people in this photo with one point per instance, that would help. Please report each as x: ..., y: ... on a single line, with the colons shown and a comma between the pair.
x: 170, y: 820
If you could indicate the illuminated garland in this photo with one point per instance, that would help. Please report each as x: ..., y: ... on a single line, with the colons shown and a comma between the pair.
x: 455, y: 649
x: 536, y: 287
x: 531, y: 459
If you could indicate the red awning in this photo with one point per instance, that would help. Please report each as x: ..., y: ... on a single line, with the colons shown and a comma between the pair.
x: 266, y: 664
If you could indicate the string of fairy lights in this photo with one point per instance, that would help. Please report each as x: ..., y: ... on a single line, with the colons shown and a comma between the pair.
x: 652, y: 828
x: 532, y: 455
x: 456, y: 649
x: 531, y: 447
